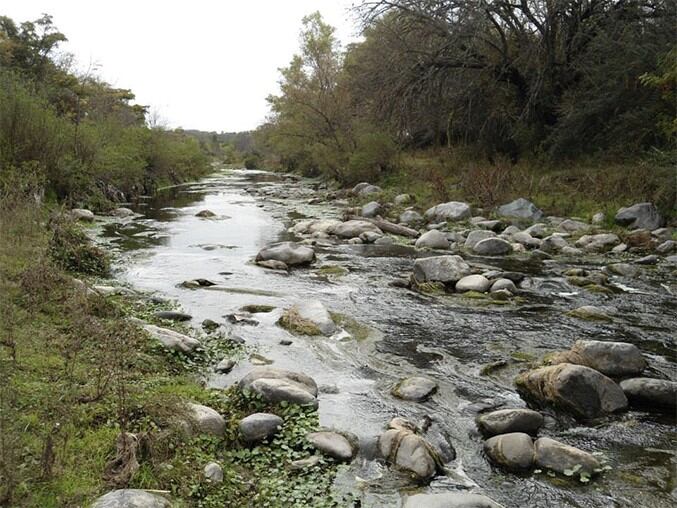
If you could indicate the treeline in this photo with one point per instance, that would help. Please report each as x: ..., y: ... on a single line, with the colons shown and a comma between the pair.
x: 72, y: 136
x: 555, y: 80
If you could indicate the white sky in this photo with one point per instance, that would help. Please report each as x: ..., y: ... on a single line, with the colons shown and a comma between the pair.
x: 200, y: 64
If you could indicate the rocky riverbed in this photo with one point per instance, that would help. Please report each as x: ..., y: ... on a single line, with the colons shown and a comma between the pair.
x: 458, y: 357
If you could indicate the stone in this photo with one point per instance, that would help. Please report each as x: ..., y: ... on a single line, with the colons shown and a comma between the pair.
x: 82, y: 214
x: 371, y: 209
x: 213, y: 472
x: 314, y: 226
x: 408, y: 451
x: 415, y: 389
x: 313, y: 311
x: 289, y: 253
x: 510, y: 230
x: 513, y: 451
x: 121, y: 212
x: 598, y: 243
x: 598, y: 218
x: 259, y: 426
x: 354, y: 228
x: 640, y: 215
x: 433, y: 239
x: 131, y: 498
x: 503, y: 284
x: 524, y: 238
x: 450, y: 500
x: 580, y: 390
x: 411, y: 217
x: 649, y: 393
x: 477, y: 283
x: 452, y: 211
x: 640, y: 238
x: 572, y: 226
x: 205, y: 214
x: 571, y: 251
x: 334, y: 444
x: 301, y: 464
x: 476, y: 236
x: 623, y: 269
x: 273, y: 264
x: 590, y: 313
x: 205, y: 420
x: 620, y: 248
x: 553, y: 243
x: 615, y: 359
x: 402, y: 199
x: 365, y: 190
x: 520, y: 209
x: 537, y: 230
x: 492, y: 247
x: 384, y: 240
x: 505, y: 421
x: 277, y: 385
x: 172, y: 340
x: 662, y: 234
x: 173, y: 315
x: 667, y: 247
x: 447, y: 269
x: 651, y: 259
x: 224, y: 366
x: 370, y: 237
x: 561, y: 458
x: 491, y: 225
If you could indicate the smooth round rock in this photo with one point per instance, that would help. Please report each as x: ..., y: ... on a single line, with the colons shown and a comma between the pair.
x: 213, y: 472
x: 503, y: 284
x: 505, y: 421
x: 652, y: 394
x: 416, y: 389
x: 493, y: 247
x: 259, y: 426
x: 450, y: 500
x: 559, y: 457
x: 333, y: 444
x: 433, y: 239
x: 512, y: 451
x: 477, y: 283
x: 131, y: 498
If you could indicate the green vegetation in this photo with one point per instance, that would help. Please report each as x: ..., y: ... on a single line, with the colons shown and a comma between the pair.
x: 292, y: 321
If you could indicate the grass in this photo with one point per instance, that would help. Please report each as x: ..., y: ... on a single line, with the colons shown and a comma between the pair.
x: 294, y: 323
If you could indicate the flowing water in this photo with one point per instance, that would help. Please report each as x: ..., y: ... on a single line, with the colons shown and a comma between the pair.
x: 451, y: 339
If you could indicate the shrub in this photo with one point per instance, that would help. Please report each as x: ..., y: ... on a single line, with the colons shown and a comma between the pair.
x: 72, y: 250
x: 252, y: 161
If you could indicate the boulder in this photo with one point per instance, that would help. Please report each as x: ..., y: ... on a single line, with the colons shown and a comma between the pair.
x: 408, y: 451
x: 433, y: 239
x: 370, y: 237
x: 493, y: 247
x: 451, y: 211
x: 205, y: 214
x: 289, y: 253
x: 450, y: 500
x: 615, y: 359
x: 121, y: 212
x: 537, y: 230
x: 590, y: 313
x: 640, y: 238
x: 580, y: 390
x: 402, y: 199
x: 82, y: 214
x: 213, y: 472
x: 131, y: 498
x: 354, y: 228
x: 598, y: 243
x: 477, y: 283
x: 520, y: 209
x: 561, y: 458
x: 598, y: 218
x: 273, y: 264
x: 416, y: 389
x: 553, y: 243
x: 640, y: 215
x: 411, y: 217
x: 623, y: 269
x: 505, y: 421
x: 313, y: 312
x: 651, y: 259
x: 474, y: 237
x: 503, y: 284
x: 366, y: 189
x: 667, y: 247
x: 491, y: 225
x: 334, y: 444
x: 524, y: 238
x: 224, y: 366
x: 513, y: 451
x: 371, y: 209
x: 173, y: 315
x: 205, y: 420
x: 649, y: 393
x: 277, y: 385
x: 447, y: 269
x: 172, y: 340
x: 259, y: 426
x: 572, y: 226
x: 314, y: 226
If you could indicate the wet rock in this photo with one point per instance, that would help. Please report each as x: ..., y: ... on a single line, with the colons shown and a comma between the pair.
x: 651, y: 259
x: 572, y: 226
x: 598, y: 243
x: 205, y: 420
x: 81, y: 214
x: 477, y: 283
x: 450, y: 500
x: 513, y: 451
x: 474, y: 237
x: 172, y: 340
x: 649, y: 393
x: 616, y: 359
x: 451, y: 211
x: 411, y: 217
x: 121, y: 212
x: 416, y: 389
x: 402, y: 199
x: 213, y: 472
x: 197, y: 283
x: 259, y: 426
x: 334, y: 444
x: 289, y: 253
x: 520, y: 209
x: 553, y: 243
x: 173, y: 315
x: 205, y: 214
x: 131, y: 498
x: 408, y: 451
x: 564, y: 459
x: 503, y: 284
x: 598, y: 218
x: 309, y: 318
x: 371, y: 209
x: 640, y: 215
x: 354, y: 228
x: 667, y: 247
x: 241, y: 319
x: 285, y: 342
x: 590, y: 313
x: 277, y: 385
x: 505, y: 421
x: 623, y: 269
x: 224, y: 366
x: 492, y: 247
x: 432, y: 240
x: 273, y: 264
x: 580, y: 390
x: 447, y: 269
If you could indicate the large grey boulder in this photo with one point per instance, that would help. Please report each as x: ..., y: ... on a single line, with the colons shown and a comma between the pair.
x: 649, y: 393
x: 580, y: 390
x: 82, y: 214
x: 524, y: 238
x: 505, y: 421
x: 622, y: 269
x: 364, y: 189
x: 451, y: 211
x: 493, y: 247
x: 537, y: 230
x: 402, y: 199
x: 121, y: 212
x: 213, y: 472
x: 411, y: 217
x: 477, y: 283
x: 205, y: 420
x: 447, y: 269
x: 640, y: 215
x: 354, y: 228
x: 259, y: 426
x: 371, y: 209
x: 277, y: 385
x: 450, y: 500
x: 561, y: 458
x: 416, y: 389
x: 432, y: 239
x: 131, y: 498
x: 314, y: 312
x: 553, y: 243
x: 513, y: 451
x: 616, y: 359
x: 503, y: 284
x: 289, y: 253
x: 172, y: 340
x: 334, y: 444
x: 476, y: 236
x: 521, y: 209
x: 572, y: 226
x: 314, y: 226
x: 598, y: 243
x: 408, y: 451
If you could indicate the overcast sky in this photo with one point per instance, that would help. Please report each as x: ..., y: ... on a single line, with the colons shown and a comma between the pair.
x: 201, y: 64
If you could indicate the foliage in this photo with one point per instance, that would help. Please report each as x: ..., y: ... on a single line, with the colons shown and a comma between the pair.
x: 72, y: 250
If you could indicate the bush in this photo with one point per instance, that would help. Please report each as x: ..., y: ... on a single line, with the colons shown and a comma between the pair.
x: 252, y: 161
x: 374, y: 155
x: 72, y: 250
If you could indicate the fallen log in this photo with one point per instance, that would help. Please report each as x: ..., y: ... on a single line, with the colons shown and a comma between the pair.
x: 387, y: 226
